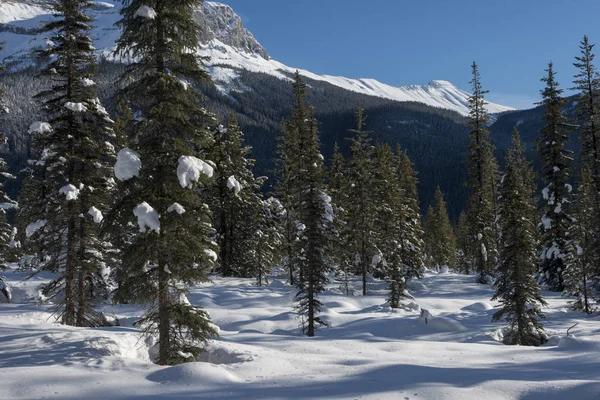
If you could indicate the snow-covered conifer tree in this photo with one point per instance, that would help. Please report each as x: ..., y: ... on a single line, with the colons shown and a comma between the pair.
x: 556, y: 160
x: 516, y: 288
x: 72, y: 169
x: 174, y: 247
x: 360, y: 208
x: 482, y: 183
x: 411, y: 232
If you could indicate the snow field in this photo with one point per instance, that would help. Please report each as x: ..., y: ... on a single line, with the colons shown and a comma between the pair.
x: 368, y: 352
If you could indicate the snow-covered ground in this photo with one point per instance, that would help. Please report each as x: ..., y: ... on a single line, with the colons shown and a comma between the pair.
x: 368, y: 352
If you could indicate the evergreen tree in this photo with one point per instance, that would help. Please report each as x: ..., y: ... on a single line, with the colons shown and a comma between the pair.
x: 587, y: 82
x: 174, y: 247
x: 7, y: 234
x: 464, y: 242
x: 516, y: 288
x: 234, y: 200
x: 267, y: 239
x: 582, y: 278
x: 440, y: 235
x: 556, y: 163
x: 288, y: 152
x: 72, y: 169
x: 482, y: 182
x: 313, y: 211
x: 340, y: 254
x: 360, y: 208
x: 412, y: 245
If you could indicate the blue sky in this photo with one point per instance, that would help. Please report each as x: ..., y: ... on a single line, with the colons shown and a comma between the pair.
x: 412, y: 42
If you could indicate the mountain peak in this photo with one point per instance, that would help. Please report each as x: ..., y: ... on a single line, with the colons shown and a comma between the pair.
x: 441, y: 84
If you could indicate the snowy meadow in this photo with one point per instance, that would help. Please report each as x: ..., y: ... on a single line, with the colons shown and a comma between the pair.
x: 369, y: 351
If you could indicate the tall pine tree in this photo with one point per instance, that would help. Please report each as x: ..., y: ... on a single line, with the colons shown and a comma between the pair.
x: 483, y: 185
x: 556, y: 160
x: 516, y: 288
x: 313, y: 211
x: 440, y: 235
x: 73, y: 169
x: 360, y: 208
x: 582, y: 277
x: 412, y: 245
x: 174, y: 248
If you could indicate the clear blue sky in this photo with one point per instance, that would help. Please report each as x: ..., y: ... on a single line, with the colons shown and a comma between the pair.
x: 402, y: 42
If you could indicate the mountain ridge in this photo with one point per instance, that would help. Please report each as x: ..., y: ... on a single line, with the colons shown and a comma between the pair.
x: 228, y: 45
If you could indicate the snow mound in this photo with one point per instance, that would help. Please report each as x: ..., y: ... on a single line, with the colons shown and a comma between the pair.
x: 96, y: 214
x: 443, y: 324
x: 70, y: 192
x: 145, y: 12
x: 190, y: 169
x: 224, y: 353
x: 39, y: 127
x: 572, y: 343
x: 444, y: 269
x: 147, y: 217
x: 478, y: 307
x: 128, y: 164
x: 233, y: 184
x: 192, y: 373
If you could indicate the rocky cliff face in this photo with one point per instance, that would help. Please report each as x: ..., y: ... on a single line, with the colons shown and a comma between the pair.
x: 219, y: 21
x: 216, y: 20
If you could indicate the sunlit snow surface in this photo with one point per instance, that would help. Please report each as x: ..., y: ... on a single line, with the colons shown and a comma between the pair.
x: 368, y: 352
x: 224, y: 60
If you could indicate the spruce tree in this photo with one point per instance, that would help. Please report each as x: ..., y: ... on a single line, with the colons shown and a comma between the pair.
x: 72, y: 169
x: 234, y: 200
x: 287, y: 161
x: 360, y: 208
x: 338, y: 185
x: 516, y: 288
x: 313, y: 211
x: 582, y: 277
x: 464, y: 242
x: 267, y: 239
x: 482, y: 183
x: 440, y: 235
x: 556, y: 160
x: 412, y: 245
x: 7, y: 233
x: 587, y: 82
x: 174, y: 247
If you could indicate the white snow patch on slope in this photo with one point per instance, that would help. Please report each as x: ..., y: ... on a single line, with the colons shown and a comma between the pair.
x: 14, y: 11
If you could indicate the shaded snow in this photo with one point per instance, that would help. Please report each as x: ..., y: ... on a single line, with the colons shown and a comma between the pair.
x: 128, y: 164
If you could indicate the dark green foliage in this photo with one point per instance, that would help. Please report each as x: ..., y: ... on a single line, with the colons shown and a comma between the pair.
x: 556, y: 162
x: 8, y: 244
x: 440, y: 239
x: 582, y: 278
x: 267, y: 240
x: 516, y: 288
x: 311, y: 207
x: 234, y: 207
x: 361, y: 208
x: 412, y: 245
x: 70, y: 175
x: 483, y: 185
x: 162, y: 262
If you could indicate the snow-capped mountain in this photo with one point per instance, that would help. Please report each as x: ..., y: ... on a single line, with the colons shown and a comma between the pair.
x: 223, y: 38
